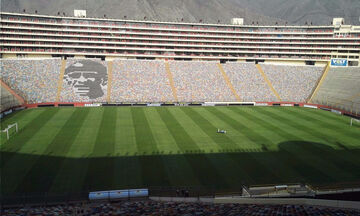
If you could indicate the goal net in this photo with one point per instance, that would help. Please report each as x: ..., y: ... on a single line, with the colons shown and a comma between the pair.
x: 10, y: 129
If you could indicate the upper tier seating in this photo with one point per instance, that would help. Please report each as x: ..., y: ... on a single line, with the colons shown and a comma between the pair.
x: 293, y: 83
x: 199, y: 81
x: 33, y: 80
x: 340, y: 89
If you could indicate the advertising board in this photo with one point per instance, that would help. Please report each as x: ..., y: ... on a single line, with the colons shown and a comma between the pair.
x: 339, y: 62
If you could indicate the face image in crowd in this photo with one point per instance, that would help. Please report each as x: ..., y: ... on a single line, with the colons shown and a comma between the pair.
x: 87, y: 78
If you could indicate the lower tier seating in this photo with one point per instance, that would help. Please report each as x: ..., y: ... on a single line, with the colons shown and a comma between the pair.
x: 340, y: 89
x: 122, y: 80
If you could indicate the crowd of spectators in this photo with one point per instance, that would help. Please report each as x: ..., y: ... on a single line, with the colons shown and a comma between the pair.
x: 200, y: 81
x: 140, y: 81
x: 178, y: 208
x: 248, y: 82
x: 33, y: 80
x: 293, y: 83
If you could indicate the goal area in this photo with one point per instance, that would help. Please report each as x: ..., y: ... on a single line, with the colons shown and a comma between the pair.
x: 10, y: 129
x: 354, y: 122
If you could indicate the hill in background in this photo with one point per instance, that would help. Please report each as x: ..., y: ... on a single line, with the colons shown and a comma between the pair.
x: 319, y: 12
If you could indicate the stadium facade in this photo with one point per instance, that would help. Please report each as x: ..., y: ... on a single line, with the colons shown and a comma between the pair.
x: 39, y: 35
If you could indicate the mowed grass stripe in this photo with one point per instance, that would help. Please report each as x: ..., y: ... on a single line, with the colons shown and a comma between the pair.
x: 241, y: 141
x: 326, y: 119
x: 100, y: 171
x: 292, y: 121
x: 180, y: 171
x: 283, y: 169
x: 167, y: 145
x: 313, y: 167
x: 222, y: 140
x: 164, y: 141
x: 248, y: 116
x: 283, y: 156
x: 183, y: 140
x: 54, y: 155
x: 36, y: 121
x: 319, y: 129
x: 350, y: 135
x: 350, y: 162
x: 179, y: 165
x: 127, y: 169
x: 22, y: 162
x: 20, y: 140
x: 145, y: 141
x: 23, y: 118
x: 208, y: 176
x: 202, y: 140
x: 266, y: 122
x: 256, y: 138
x: 305, y: 121
x: 17, y: 116
x: 152, y: 167
x: 125, y: 142
x: 345, y: 129
x: 303, y: 153
x: 128, y: 172
x: 73, y: 170
x: 295, y: 144
x: 329, y: 117
x: 219, y: 162
x: 233, y: 161
x: 226, y: 145
x: 294, y: 157
x: 290, y: 126
x: 266, y: 164
x: 105, y: 139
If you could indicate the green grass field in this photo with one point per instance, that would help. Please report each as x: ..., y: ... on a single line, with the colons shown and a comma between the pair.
x: 87, y: 149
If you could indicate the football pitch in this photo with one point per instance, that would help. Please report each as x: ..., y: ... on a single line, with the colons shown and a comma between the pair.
x: 70, y: 149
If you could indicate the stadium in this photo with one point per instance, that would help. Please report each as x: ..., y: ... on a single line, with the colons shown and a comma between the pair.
x: 102, y: 109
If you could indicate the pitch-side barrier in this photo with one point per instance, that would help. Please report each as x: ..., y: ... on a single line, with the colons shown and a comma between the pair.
x: 158, y: 104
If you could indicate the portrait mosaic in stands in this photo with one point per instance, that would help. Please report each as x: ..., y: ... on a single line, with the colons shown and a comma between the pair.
x: 87, y: 78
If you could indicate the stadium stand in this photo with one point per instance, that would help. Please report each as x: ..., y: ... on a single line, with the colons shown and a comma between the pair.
x: 248, y: 82
x: 33, y: 80
x: 228, y: 82
x: 86, y: 80
x: 140, y: 81
x: 293, y: 83
x: 7, y: 100
x: 340, y: 89
x: 199, y: 81
x: 174, y: 208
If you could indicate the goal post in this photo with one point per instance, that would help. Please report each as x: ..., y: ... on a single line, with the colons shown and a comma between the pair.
x: 6, y: 130
x: 353, y: 121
